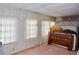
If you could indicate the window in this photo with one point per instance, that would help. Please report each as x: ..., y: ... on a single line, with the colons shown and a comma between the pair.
x: 8, y: 30
x: 45, y: 27
x: 31, y: 29
x: 52, y: 23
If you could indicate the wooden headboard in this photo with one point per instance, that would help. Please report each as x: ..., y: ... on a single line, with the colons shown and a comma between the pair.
x: 61, y: 39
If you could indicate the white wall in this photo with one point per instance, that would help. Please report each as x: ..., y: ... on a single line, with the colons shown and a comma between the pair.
x: 66, y: 23
x: 21, y: 16
x: 69, y: 24
x: 61, y: 22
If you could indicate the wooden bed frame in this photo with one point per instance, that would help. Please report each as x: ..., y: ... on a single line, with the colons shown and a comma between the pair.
x: 61, y: 39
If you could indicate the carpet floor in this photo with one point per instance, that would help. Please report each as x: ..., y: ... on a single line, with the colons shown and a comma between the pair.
x: 47, y: 50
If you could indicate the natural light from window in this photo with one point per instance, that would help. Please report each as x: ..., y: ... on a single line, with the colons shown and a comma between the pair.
x: 31, y: 28
x: 8, y: 30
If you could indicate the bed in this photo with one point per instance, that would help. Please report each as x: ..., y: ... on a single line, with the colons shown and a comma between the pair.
x: 67, y: 38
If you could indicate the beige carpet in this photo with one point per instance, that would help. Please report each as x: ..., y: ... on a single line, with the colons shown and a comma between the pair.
x: 47, y: 50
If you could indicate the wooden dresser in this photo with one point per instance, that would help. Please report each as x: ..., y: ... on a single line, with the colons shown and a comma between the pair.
x: 61, y: 39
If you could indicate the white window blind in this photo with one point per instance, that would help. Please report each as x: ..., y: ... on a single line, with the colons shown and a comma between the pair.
x: 31, y: 29
x: 8, y: 30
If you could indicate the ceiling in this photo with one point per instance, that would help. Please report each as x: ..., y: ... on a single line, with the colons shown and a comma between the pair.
x: 51, y: 9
